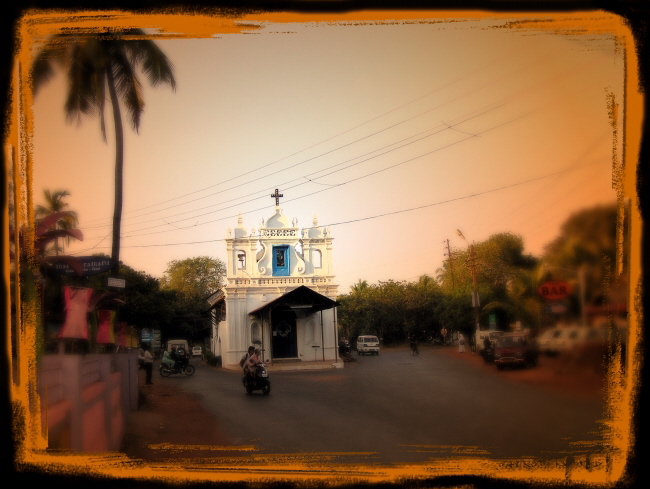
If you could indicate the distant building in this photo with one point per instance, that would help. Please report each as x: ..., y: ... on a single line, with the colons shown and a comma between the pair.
x: 280, y: 295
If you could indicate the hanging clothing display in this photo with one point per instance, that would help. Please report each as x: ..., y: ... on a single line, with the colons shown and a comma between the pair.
x: 105, y: 320
x: 76, y: 312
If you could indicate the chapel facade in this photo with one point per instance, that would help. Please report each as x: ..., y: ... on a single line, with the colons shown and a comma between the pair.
x: 280, y: 295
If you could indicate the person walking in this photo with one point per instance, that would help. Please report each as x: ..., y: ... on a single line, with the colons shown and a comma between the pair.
x: 148, y: 365
x: 461, y: 343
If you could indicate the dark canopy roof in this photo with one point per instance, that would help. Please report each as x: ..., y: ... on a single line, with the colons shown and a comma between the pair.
x: 302, y: 298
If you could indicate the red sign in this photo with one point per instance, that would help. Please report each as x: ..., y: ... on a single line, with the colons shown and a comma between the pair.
x: 554, y: 290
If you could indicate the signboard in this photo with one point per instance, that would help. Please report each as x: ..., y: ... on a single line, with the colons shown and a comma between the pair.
x: 146, y: 335
x: 554, y: 290
x: 558, y: 307
x: 116, y: 282
x: 92, y: 265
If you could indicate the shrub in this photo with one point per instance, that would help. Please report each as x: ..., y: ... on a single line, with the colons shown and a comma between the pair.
x: 212, y: 359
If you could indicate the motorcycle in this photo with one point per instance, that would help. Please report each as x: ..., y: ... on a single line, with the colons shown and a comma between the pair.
x: 488, y: 354
x: 181, y: 366
x: 259, y: 381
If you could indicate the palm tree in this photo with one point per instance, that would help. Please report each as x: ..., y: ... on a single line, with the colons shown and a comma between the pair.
x: 100, y: 62
x: 54, y: 204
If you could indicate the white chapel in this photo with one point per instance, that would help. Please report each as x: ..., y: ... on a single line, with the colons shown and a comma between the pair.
x: 280, y: 295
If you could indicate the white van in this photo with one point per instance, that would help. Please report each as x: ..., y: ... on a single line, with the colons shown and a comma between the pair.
x: 367, y: 344
x: 180, y: 345
x: 479, y: 337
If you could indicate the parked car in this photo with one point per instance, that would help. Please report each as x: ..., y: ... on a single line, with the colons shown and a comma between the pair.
x: 197, y: 351
x: 549, y: 340
x: 515, y: 349
x: 367, y: 344
x: 544, y: 340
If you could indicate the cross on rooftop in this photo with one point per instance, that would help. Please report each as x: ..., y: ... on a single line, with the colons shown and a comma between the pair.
x: 277, y: 197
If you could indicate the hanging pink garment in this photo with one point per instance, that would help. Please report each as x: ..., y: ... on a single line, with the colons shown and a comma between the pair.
x: 76, y: 310
x: 105, y: 320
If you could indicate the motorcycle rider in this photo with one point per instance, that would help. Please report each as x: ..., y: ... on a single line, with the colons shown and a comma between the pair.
x: 244, y: 359
x: 174, y: 356
x: 414, y: 345
x: 251, y: 364
x: 487, y: 344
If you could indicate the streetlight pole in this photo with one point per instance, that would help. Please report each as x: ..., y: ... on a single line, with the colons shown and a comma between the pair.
x: 475, y: 302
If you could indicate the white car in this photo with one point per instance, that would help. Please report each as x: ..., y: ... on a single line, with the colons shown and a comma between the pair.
x: 545, y: 340
x: 558, y: 340
x: 367, y: 344
x: 197, y: 351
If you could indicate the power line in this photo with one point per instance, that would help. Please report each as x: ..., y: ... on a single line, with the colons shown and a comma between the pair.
x: 504, y: 76
x: 377, y: 216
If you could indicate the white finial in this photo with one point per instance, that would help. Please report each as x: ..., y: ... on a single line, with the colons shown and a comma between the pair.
x: 229, y: 232
x: 240, y: 219
x: 315, y: 220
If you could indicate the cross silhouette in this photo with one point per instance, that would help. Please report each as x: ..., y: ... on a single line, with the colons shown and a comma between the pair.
x: 277, y: 197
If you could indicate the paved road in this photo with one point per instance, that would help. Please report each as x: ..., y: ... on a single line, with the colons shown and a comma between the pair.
x: 396, y: 408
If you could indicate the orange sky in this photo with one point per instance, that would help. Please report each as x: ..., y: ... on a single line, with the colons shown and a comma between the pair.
x: 394, y: 134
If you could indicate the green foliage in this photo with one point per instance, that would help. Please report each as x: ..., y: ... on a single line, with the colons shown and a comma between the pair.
x: 212, y: 359
x: 196, y: 277
x: 192, y: 281
x: 587, y: 245
x: 391, y: 310
x: 507, y: 281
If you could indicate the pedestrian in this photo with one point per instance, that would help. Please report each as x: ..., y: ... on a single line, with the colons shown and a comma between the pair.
x: 148, y: 365
x: 461, y: 343
x: 443, y: 332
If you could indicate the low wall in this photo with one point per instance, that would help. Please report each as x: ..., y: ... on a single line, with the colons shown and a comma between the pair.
x: 86, y: 399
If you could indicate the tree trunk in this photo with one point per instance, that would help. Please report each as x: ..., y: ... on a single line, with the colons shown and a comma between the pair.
x: 119, y: 167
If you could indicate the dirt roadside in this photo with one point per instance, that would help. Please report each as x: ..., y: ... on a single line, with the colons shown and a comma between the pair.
x: 170, y: 424
x: 168, y: 420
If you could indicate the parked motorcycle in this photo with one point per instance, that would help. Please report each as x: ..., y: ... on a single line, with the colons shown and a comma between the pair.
x: 259, y: 381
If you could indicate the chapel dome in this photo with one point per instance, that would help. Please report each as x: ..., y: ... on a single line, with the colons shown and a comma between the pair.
x: 278, y: 220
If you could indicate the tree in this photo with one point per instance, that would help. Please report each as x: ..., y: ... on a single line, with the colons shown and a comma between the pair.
x: 100, y: 62
x: 54, y: 204
x: 192, y: 280
x: 586, y: 244
x: 195, y: 277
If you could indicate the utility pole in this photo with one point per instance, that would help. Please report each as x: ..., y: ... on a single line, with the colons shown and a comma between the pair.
x: 451, y: 267
x: 472, y: 264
